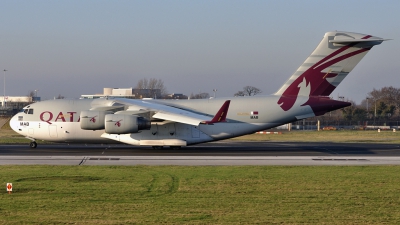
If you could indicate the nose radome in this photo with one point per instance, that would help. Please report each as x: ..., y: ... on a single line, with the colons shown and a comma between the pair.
x: 14, y: 123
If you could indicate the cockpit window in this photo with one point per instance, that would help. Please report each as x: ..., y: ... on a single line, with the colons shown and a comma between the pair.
x: 28, y: 111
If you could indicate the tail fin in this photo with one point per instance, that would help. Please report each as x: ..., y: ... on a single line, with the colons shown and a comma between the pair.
x: 334, y: 58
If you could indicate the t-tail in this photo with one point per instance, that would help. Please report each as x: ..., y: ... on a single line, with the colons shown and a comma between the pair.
x: 333, y: 59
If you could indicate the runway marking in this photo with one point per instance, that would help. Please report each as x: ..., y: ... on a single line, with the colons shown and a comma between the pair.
x: 104, y: 158
x: 83, y: 161
x: 340, y: 159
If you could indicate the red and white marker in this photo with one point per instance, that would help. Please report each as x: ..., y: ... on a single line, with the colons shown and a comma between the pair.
x: 9, y: 188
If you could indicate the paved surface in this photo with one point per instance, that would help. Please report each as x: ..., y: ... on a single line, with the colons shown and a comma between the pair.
x: 218, y: 153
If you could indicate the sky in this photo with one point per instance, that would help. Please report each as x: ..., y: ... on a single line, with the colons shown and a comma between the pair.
x: 75, y: 47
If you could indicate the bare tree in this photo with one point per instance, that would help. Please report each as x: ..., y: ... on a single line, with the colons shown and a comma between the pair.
x: 385, y: 101
x: 239, y: 94
x: 155, y: 87
x: 389, y: 95
x: 199, y: 95
x: 31, y: 94
x: 60, y: 96
x: 248, y: 91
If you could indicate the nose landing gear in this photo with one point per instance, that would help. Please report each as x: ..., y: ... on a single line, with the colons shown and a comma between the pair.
x: 33, y: 143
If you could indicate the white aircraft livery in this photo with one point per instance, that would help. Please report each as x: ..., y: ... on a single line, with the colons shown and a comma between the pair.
x: 177, y: 123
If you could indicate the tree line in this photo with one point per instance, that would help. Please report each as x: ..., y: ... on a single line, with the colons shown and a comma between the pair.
x: 158, y: 85
x: 380, y: 104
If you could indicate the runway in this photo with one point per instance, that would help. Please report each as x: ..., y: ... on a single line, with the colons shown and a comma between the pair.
x: 217, y: 153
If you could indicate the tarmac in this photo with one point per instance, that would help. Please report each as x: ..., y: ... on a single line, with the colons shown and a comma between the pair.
x: 210, y: 154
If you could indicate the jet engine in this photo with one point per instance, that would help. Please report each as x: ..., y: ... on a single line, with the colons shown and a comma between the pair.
x: 125, y: 124
x: 93, y: 120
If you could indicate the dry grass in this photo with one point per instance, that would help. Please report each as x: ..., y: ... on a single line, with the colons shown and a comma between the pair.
x: 8, y: 136
x: 342, y: 136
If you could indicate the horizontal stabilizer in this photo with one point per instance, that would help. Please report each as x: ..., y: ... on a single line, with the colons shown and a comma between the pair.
x: 341, y: 41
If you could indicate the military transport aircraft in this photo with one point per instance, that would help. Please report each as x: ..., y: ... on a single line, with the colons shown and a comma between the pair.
x: 177, y: 123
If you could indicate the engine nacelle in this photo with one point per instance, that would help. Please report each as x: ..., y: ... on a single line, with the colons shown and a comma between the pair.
x: 93, y: 120
x: 125, y: 124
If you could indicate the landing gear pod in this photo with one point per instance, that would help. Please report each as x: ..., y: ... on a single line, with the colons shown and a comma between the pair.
x: 93, y: 120
x: 125, y: 124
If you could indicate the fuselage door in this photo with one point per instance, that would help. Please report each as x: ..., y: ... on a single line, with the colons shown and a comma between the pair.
x: 53, y: 131
x: 154, y: 129
x: 195, y: 132
x: 166, y: 130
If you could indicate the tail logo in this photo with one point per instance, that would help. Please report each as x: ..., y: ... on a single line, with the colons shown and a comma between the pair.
x: 314, y: 81
x: 93, y: 119
x: 118, y: 123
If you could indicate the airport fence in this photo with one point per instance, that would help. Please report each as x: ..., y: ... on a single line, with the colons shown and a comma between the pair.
x: 346, y: 125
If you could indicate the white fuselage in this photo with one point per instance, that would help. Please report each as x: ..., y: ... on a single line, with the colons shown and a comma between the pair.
x: 59, y: 121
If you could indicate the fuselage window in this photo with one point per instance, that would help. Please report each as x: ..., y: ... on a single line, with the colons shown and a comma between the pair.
x: 30, y: 111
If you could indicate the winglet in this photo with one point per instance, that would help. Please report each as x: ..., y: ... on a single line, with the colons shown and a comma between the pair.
x: 221, y: 114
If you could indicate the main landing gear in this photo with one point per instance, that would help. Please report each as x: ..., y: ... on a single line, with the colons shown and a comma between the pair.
x: 33, y: 144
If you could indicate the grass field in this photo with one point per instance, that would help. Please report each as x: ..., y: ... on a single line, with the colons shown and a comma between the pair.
x: 201, y: 195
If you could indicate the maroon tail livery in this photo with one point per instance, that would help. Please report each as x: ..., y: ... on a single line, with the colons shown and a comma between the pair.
x: 333, y: 59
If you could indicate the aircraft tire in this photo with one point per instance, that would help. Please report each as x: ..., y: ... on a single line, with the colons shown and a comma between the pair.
x: 175, y: 147
x: 157, y: 147
x: 33, y: 144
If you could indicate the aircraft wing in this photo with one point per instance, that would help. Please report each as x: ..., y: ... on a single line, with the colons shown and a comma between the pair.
x: 181, y: 116
x: 171, y: 113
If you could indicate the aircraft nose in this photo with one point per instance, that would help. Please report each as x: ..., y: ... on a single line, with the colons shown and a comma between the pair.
x: 14, y: 123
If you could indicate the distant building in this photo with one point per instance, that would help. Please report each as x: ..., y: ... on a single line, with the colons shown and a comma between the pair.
x: 177, y: 96
x: 127, y: 93
x: 11, y: 105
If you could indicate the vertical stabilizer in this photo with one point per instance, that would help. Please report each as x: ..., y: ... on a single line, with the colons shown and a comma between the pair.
x: 333, y: 59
